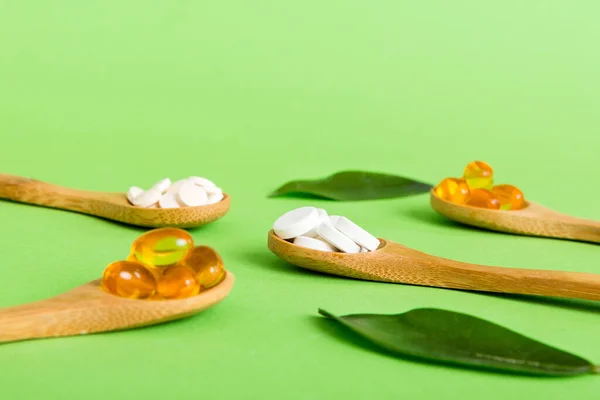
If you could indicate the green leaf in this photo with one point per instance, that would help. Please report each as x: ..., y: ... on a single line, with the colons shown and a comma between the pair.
x: 355, y: 185
x: 450, y: 337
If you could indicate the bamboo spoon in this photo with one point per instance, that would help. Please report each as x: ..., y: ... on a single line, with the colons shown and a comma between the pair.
x: 533, y: 220
x: 112, y: 206
x: 395, y: 263
x: 89, y: 309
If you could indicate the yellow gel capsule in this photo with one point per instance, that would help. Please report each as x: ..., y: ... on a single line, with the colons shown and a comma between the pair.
x: 483, y: 198
x: 161, y: 247
x: 510, y: 197
x: 177, y: 282
x: 453, y: 190
x: 479, y: 175
x: 207, y: 264
x: 129, y: 279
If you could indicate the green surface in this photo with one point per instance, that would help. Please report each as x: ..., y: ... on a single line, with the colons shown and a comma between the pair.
x: 102, y: 95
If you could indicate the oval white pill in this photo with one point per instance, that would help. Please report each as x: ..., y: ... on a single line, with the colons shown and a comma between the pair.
x: 169, y: 200
x: 163, y: 185
x: 296, y: 222
x: 356, y: 233
x: 148, y: 198
x: 192, y: 195
x: 214, y: 196
x: 334, y: 219
x: 202, y: 182
x: 338, y: 239
x: 134, y: 192
x: 314, y: 244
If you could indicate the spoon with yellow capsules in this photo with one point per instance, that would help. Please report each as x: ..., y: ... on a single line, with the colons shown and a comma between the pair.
x: 395, y: 263
x: 90, y: 309
x: 531, y: 220
x: 114, y: 206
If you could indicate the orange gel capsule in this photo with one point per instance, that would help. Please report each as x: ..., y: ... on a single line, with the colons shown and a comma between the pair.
x: 479, y: 175
x: 207, y: 264
x: 177, y: 282
x: 453, y: 190
x: 161, y: 247
x: 510, y: 197
x: 129, y: 279
x: 483, y: 198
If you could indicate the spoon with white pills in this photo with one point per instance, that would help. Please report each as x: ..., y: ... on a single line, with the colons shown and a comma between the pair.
x: 89, y: 309
x: 531, y: 220
x: 184, y: 204
x: 394, y: 263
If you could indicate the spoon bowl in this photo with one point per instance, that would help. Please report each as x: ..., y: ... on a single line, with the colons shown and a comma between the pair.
x: 395, y: 263
x: 113, y: 206
x: 532, y: 220
x: 90, y: 309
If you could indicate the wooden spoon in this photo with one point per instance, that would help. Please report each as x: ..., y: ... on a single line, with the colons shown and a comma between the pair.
x: 395, y: 263
x: 533, y: 220
x: 113, y: 206
x: 89, y: 309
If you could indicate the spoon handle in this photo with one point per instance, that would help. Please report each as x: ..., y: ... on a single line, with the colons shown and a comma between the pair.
x: 423, y: 269
x: 567, y: 227
x: 31, y: 191
x: 38, y: 320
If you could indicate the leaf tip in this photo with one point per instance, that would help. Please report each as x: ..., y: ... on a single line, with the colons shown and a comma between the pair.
x: 325, y: 313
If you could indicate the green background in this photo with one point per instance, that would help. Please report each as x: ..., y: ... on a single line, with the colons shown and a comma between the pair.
x: 102, y: 95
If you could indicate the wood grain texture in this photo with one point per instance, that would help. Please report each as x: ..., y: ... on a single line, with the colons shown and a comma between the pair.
x: 533, y: 220
x: 395, y: 263
x: 113, y: 206
x: 89, y: 309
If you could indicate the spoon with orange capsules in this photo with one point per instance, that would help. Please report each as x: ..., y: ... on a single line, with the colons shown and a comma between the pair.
x: 474, y: 200
x: 165, y: 278
x: 339, y: 247
x: 185, y: 205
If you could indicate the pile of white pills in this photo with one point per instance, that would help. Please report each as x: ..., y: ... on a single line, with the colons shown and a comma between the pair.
x: 312, y: 228
x: 190, y: 192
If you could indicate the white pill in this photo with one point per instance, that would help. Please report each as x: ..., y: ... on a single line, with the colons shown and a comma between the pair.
x: 148, y: 198
x: 169, y: 200
x: 214, y: 196
x: 205, y: 183
x: 333, y: 219
x: 356, y: 233
x: 296, y: 222
x: 176, y: 186
x: 313, y: 243
x: 163, y: 185
x: 192, y: 195
x: 324, y: 218
x: 336, y: 238
x: 134, y: 192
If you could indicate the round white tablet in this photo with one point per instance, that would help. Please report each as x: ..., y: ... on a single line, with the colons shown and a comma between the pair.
x: 296, y: 222
x: 324, y: 218
x: 148, y: 198
x: 162, y: 185
x: 175, y: 186
x: 314, y: 244
x: 134, y: 192
x: 205, y: 183
x: 169, y: 200
x: 191, y: 195
x: 358, y: 234
x: 338, y: 239
x: 334, y: 219
x: 214, y: 196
